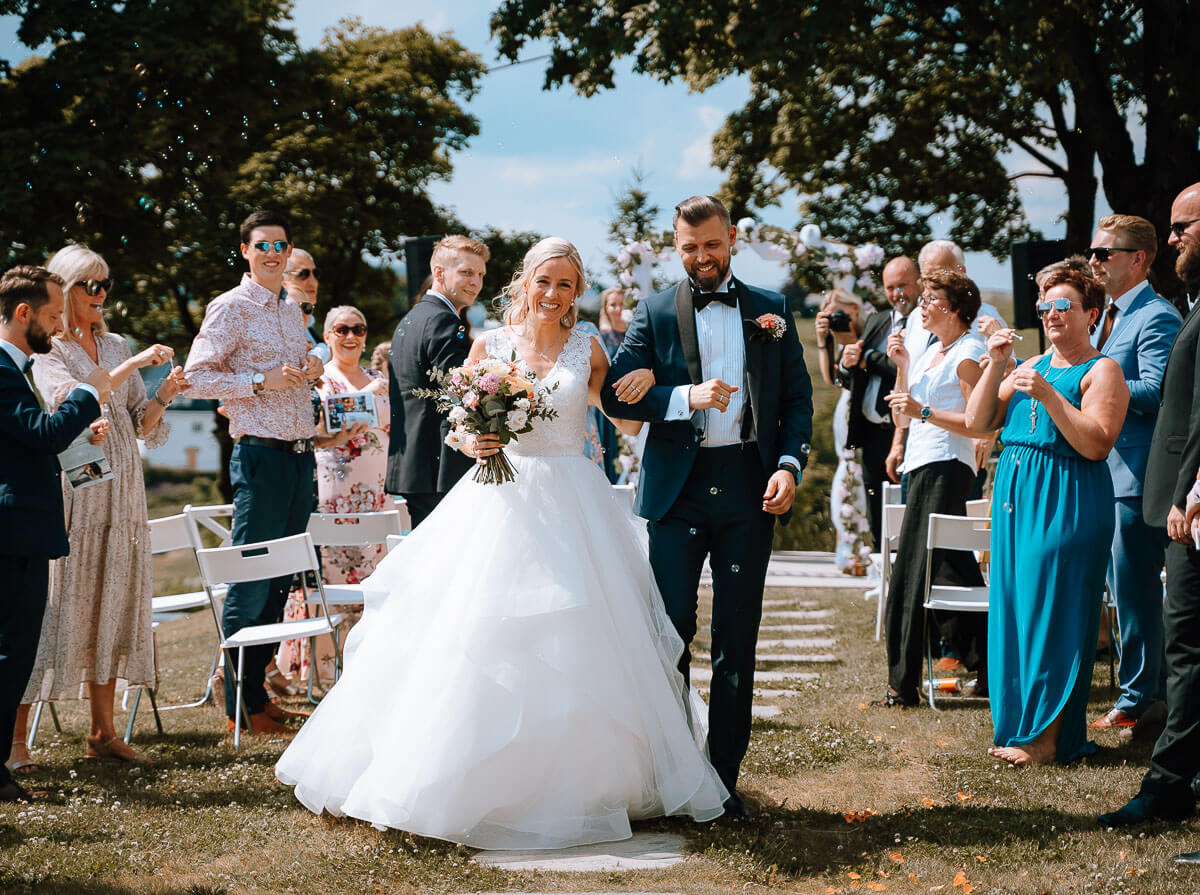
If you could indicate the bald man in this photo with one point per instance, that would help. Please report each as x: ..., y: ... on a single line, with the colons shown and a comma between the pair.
x: 1171, y: 497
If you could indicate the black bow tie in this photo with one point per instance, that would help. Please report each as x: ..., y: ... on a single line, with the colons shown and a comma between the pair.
x: 700, y: 299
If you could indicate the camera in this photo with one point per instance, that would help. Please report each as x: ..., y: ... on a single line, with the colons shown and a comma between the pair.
x: 839, y: 322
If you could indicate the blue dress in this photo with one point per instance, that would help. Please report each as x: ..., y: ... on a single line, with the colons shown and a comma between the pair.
x: 1052, y: 528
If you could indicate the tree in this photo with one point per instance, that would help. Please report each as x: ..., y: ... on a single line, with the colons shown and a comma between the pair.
x: 883, y: 113
x: 634, y: 217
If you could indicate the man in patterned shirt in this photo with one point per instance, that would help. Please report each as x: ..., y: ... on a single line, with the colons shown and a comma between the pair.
x: 251, y: 354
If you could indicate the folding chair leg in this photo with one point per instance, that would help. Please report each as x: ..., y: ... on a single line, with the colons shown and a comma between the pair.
x: 54, y: 717
x: 33, y: 727
x: 137, y: 701
x: 238, y: 706
x: 154, y: 709
x: 208, y: 693
x: 929, y: 663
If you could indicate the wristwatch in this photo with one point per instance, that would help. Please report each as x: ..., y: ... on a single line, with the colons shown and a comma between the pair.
x: 926, y: 413
x: 791, y: 467
x: 259, y: 381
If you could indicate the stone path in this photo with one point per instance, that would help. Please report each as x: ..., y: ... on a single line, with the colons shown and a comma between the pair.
x: 785, y: 665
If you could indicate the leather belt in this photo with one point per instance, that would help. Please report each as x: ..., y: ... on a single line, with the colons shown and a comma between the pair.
x: 299, y: 446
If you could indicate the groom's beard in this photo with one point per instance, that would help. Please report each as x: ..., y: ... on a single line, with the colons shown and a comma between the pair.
x: 711, y: 280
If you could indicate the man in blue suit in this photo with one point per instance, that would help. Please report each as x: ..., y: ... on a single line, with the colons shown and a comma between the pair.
x: 1136, y: 330
x: 31, y: 510
x: 730, y: 416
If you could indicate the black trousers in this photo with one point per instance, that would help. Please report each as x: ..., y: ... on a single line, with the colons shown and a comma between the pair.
x: 940, y: 487
x: 719, y: 515
x: 421, y: 505
x: 25, y: 581
x: 272, y: 498
x: 1176, y: 758
x: 876, y: 442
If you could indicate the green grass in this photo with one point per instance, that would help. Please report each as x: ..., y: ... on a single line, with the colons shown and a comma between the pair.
x: 839, y: 789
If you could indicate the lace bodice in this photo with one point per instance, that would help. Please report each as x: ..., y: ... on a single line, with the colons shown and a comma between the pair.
x: 562, y: 436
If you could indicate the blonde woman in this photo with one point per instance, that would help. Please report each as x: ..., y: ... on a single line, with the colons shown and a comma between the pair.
x: 532, y: 697
x: 97, y: 625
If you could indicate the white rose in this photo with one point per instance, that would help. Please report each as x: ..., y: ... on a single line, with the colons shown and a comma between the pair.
x: 623, y: 258
x: 454, y: 440
x: 457, y: 414
x: 517, y: 419
x: 521, y: 404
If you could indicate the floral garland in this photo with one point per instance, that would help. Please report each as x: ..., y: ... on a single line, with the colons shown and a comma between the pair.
x: 853, y: 524
x: 817, y: 263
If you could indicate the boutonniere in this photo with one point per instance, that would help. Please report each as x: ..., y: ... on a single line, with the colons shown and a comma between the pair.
x: 767, y: 328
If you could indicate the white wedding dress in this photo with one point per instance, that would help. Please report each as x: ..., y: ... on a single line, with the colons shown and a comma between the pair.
x: 517, y: 687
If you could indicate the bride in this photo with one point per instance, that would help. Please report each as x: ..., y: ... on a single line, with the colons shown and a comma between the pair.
x: 517, y: 688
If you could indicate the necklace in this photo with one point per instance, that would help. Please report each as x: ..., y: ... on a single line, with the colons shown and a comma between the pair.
x: 1033, y: 402
x: 533, y: 346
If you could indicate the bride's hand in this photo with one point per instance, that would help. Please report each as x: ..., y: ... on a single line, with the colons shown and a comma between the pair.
x: 634, y: 385
x: 483, y: 446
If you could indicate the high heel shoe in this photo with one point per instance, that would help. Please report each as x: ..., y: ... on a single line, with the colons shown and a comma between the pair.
x: 113, y: 749
x: 277, y: 681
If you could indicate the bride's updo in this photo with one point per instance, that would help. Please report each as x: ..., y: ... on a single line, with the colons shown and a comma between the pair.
x: 515, y: 299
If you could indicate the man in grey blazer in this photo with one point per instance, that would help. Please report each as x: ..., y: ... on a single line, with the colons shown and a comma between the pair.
x: 1136, y: 330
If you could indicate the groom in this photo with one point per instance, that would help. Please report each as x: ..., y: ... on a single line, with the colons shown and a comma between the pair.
x: 730, y: 420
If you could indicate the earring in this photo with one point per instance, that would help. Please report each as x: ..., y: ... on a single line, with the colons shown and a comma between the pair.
x: 1091, y: 329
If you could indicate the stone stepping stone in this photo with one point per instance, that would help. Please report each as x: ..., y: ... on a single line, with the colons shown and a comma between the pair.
x: 765, y: 711
x: 760, y: 693
x: 802, y: 643
x: 779, y: 604
x: 802, y: 613
x: 793, y: 629
x: 822, y: 658
x: 644, y: 851
x: 576, y: 893
x: 705, y: 674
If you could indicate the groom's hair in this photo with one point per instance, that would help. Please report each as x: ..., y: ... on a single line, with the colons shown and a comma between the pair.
x: 698, y: 209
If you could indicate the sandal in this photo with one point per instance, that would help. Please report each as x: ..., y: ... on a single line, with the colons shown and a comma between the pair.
x: 108, y: 750
x: 892, y: 700
x: 21, y: 765
x: 279, y: 682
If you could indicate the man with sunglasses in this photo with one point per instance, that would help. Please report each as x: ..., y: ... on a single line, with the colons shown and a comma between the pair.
x: 433, y: 335
x: 1136, y: 330
x: 252, y: 355
x: 1172, y: 497
x: 301, y: 279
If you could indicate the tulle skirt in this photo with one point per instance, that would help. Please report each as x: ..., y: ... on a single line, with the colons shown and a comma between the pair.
x: 512, y: 684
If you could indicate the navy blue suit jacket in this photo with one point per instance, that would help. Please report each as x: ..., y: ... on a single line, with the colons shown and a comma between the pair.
x: 1140, y: 342
x: 662, y: 338
x: 31, y: 509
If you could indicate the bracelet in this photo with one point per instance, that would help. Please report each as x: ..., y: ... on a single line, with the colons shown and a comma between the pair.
x: 165, y: 404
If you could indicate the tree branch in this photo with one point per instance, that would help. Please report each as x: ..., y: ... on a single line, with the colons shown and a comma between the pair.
x: 1059, y: 170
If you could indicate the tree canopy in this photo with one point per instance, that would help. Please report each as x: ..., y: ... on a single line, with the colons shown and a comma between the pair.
x: 887, y: 115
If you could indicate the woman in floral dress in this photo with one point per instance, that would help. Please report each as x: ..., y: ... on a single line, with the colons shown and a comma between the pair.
x: 351, y: 466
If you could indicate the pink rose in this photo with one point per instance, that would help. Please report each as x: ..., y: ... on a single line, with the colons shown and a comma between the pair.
x: 471, y: 400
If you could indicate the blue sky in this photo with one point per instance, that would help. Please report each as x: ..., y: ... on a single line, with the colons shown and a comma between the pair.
x: 553, y: 162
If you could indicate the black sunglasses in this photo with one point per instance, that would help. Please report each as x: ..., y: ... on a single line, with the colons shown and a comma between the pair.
x: 305, y: 272
x: 93, y: 287
x: 1103, y: 253
x: 1177, y: 227
x: 343, y: 330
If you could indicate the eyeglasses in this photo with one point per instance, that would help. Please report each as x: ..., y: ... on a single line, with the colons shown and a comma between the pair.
x: 1177, y: 227
x: 279, y: 245
x: 304, y: 273
x: 1103, y: 253
x: 343, y: 330
x: 93, y: 287
x: 1061, y: 305
x: 927, y: 301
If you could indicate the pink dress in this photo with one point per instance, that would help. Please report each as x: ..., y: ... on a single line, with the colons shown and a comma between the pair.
x: 349, y: 480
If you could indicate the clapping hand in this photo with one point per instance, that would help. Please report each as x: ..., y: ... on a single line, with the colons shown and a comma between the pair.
x: 99, y: 429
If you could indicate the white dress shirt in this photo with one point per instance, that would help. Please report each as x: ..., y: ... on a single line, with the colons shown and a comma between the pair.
x: 871, y: 392
x: 917, y: 338
x: 720, y: 334
x: 1122, y: 302
x: 20, y: 358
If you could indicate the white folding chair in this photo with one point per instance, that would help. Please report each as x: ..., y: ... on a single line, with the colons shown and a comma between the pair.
x: 952, y: 533
x: 393, y: 541
x: 263, y: 561
x: 349, y: 530
x: 891, y: 519
x: 979, y: 509
x: 405, y: 519
x: 892, y: 492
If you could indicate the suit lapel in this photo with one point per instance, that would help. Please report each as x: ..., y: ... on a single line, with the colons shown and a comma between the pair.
x: 748, y: 310
x: 685, y: 318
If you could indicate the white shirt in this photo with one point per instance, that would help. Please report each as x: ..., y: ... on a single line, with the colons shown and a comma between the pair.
x: 871, y: 392
x: 719, y: 332
x: 448, y: 302
x: 917, y: 337
x: 20, y: 358
x: 939, y: 388
x: 1122, y: 302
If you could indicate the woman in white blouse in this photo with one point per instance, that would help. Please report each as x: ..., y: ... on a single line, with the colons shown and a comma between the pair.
x: 930, y: 399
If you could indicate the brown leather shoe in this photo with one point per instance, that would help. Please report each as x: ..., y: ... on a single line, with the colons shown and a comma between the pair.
x: 1114, y: 719
x: 263, y: 725
x: 278, y: 713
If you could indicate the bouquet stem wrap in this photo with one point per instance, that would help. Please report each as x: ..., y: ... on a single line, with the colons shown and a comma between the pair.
x: 495, y: 470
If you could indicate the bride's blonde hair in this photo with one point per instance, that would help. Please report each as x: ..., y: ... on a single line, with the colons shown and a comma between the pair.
x: 515, y: 297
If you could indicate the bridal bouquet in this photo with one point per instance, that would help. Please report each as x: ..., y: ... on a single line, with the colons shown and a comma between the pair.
x: 490, y: 397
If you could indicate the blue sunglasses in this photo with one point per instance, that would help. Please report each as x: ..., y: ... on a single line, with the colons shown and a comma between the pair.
x: 1055, y: 304
x: 279, y: 245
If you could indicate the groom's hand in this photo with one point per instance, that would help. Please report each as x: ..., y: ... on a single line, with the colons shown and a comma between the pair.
x: 713, y: 395
x: 781, y: 491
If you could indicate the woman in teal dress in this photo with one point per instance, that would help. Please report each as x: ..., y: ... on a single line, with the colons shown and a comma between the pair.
x: 1052, y: 523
